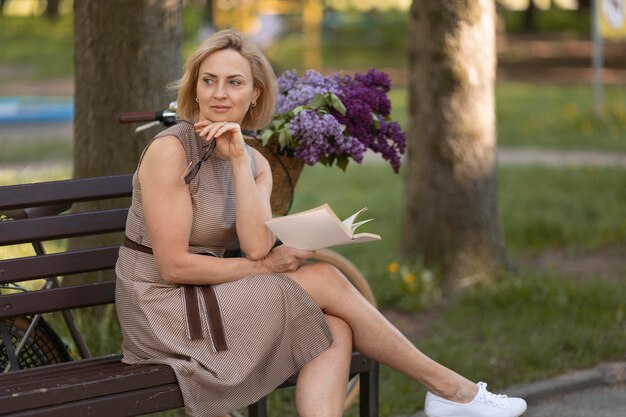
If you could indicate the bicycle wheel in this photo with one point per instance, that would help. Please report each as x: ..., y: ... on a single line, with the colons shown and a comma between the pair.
x: 43, y: 346
x: 360, y: 283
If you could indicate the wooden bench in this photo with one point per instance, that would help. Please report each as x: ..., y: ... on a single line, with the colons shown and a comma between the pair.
x: 100, y: 386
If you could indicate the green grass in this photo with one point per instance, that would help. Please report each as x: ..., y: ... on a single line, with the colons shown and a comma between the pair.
x: 553, y: 20
x: 549, y: 116
x: 37, y: 48
x: 546, y: 208
x: 560, y: 116
x: 15, y: 151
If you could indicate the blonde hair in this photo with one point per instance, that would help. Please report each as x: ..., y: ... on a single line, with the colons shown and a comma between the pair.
x: 262, y: 73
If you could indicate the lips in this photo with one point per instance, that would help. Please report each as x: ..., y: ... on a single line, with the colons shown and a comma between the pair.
x: 220, y: 109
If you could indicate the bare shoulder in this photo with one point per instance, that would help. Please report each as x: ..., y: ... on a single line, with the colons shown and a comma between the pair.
x: 165, y: 157
x: 165, y: 148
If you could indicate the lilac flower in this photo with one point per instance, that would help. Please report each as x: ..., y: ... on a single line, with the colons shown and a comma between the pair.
x: 336, y: 118
x: 296, y: 91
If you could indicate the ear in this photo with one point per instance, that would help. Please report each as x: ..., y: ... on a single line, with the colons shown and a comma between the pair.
x: 256, y: 93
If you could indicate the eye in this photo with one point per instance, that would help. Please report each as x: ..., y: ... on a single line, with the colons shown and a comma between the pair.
x: 207, y: 80
x: 235, y: 82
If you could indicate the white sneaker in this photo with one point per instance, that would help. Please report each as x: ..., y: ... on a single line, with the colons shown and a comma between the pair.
x: 485, y: 404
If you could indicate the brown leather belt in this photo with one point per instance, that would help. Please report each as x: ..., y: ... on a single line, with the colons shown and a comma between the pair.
x: 193, y: 309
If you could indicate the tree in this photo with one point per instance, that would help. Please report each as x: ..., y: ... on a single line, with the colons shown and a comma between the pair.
x: 529, y: 23
x: 52, y: 9
x: 450, y: 215
x: 125, y: 54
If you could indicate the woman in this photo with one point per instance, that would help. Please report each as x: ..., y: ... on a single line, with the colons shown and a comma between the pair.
x: 233, y: 329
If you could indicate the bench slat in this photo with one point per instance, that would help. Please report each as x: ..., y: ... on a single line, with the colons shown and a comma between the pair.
x: 125, y: 404
x: 56, y: 299
x: 41, y: 373
x: 55, y: 192
x: 70, y: 385
x: 56, y: 227
x: 65, y: 263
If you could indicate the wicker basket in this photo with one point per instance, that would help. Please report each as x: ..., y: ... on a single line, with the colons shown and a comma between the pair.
x: 285, y: 173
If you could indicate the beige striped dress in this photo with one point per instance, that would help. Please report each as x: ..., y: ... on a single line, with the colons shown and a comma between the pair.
x: 272, y: 326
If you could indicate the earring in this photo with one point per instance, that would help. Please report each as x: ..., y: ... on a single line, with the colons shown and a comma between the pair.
x: 254, y: 104
x: 197, y: 101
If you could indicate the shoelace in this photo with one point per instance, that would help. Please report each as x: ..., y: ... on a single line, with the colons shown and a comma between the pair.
x: 499, y: 400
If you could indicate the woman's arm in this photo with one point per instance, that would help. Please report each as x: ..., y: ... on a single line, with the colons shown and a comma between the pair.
x: 252, y: 197
x: 168, y: 214
x: 252, y: 202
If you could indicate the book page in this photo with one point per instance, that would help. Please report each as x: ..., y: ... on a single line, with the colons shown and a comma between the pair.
x: 350, y: 220
x: 310, y: 230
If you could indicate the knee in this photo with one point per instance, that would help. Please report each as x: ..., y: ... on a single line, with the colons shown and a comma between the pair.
x: 342, y: 333
x: 331, y: 276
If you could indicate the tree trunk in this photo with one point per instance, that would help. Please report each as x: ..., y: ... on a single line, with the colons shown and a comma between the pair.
x: 125, y: 54
x: 450, y: 217
x: 529, y: 23
x: 52, y: 9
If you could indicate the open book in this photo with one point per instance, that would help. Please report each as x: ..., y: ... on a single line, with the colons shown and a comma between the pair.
x: 318, y: 228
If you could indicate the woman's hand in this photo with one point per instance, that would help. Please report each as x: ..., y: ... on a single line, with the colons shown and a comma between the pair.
x: 229, y: 140
x: 286, y: 259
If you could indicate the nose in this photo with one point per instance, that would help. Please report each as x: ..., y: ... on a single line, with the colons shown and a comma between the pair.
x: 220, y: 90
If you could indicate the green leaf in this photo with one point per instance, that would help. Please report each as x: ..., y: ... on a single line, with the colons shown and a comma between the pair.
x: 297, y: 110
x: 288, y: 136
x: 284, y: 138
x: 266, y: 135
x: 318, y: 101
x: 337, y: 104
x: 342, y: 162
x: 278, y: 123
x: 376, y: 122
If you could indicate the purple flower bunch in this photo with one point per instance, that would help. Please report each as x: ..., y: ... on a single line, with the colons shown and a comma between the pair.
x: 335, y: 118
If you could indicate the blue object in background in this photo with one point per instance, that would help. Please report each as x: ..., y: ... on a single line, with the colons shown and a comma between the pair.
x: 35, y: 109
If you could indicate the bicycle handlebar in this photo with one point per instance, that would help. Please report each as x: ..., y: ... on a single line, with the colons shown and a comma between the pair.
x: 141, y: 116
x: 166, y: 117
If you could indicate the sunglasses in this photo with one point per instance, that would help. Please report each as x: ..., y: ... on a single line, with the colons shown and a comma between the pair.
x: 192, y: 170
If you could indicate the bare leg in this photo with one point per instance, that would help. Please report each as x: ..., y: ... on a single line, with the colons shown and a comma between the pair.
x: 376, y: 337
x: 321, y: 386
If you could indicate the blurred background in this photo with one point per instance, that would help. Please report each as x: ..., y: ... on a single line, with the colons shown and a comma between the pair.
x: 561, y: 169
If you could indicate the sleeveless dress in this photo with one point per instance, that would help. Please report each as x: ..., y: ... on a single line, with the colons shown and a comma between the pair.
x: 272, y: 326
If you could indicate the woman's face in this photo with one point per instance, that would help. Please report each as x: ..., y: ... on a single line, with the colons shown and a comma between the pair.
x: 225, y: 87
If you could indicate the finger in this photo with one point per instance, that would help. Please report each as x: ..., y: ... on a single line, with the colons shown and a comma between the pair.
x: 209, y: 131
x: 202, y: 123
x: 205, y: 127
x: 302, y: 254
x: 230, y: 128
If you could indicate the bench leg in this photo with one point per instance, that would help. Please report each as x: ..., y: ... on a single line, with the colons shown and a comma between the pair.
x: 368, y: 393
x: 258, y: 409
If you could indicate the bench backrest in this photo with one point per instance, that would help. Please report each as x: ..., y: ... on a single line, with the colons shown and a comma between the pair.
x: 40, y: 202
